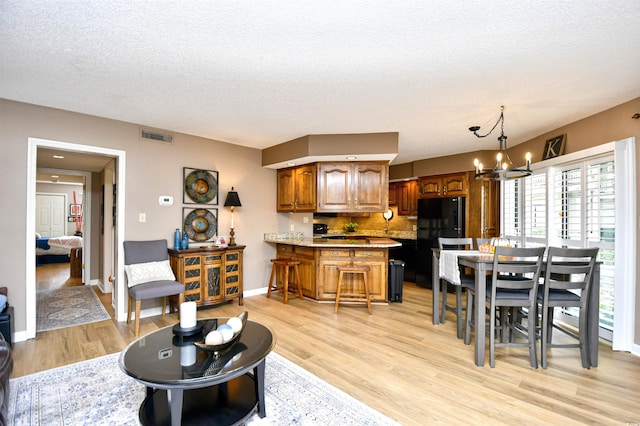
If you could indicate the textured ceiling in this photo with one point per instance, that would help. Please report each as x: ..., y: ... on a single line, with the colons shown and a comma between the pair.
x: 259, y: 73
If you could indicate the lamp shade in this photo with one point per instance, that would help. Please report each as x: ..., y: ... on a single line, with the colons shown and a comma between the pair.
x: 232, y: 199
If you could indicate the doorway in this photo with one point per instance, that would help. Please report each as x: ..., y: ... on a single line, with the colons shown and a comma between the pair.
x: 118, y: 156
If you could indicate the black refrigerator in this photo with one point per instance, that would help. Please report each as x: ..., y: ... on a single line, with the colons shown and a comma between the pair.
x: 437, y: 217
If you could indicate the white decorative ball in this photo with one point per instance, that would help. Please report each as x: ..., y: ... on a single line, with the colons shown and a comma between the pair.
x: 227, y: 332
x: 235, y: 323
x: 214, y: 338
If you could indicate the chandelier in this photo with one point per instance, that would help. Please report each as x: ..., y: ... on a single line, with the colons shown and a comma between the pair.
x: 504, y: 169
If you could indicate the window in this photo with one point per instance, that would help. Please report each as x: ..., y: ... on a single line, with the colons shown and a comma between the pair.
x: 570, y: 205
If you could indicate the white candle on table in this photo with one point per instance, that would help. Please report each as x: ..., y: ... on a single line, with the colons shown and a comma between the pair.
x: 187, y: 355
x: 188, y: 315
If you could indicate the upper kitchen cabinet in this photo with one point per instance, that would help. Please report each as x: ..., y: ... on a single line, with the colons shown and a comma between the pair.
x: 353, y: 187
x: 450, y: 185
x: 407, y: 196
x: 297, y: 189
x: 393, y: 190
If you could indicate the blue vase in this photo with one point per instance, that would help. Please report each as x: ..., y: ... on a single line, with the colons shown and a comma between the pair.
x: 177, y: 242
x: 185, y: 242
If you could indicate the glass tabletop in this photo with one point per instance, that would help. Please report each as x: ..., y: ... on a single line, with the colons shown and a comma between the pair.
x: 164, y: 358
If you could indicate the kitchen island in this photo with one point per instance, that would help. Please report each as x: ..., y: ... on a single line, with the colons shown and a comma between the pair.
x: 320, y: 258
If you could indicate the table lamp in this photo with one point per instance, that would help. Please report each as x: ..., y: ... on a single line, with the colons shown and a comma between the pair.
x: 232, y: 201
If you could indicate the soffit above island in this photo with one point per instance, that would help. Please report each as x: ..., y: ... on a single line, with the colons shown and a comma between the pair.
x: 332, y: 147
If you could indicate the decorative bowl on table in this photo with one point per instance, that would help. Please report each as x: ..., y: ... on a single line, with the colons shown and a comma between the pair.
x: 214, y: 344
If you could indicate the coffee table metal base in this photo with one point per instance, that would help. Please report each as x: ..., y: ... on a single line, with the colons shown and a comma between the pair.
x: 228, y: 403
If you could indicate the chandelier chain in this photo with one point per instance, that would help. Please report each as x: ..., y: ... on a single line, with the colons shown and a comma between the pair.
x: 500, y: 120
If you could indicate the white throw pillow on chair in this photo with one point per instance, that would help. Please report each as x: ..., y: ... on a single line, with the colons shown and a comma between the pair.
x: 140, y: 273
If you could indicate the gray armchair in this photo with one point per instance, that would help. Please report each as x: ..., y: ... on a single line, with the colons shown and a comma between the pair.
x: 149, y: 275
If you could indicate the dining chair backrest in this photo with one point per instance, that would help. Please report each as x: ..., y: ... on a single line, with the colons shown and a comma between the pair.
x: 517, y: 268
x: 455, y: 243
x: 570, y: 269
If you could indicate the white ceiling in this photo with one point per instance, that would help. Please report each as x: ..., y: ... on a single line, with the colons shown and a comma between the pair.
x: 259, y: 73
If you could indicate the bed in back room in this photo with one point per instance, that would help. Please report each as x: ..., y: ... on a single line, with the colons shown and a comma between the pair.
x: 55, y: 249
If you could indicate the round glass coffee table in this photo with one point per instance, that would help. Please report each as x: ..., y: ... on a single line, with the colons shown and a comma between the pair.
x: 191, y: 386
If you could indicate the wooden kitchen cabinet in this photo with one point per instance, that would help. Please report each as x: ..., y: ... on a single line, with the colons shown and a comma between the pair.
x: 331, y: 258
x: 297, y: 189
x: 353, y: 187
x: 210, y: 275
x: 450, y: 185
x: 307, y: 267
x: 408, y: 198
x: 393, y: 190
x: 483, y: 208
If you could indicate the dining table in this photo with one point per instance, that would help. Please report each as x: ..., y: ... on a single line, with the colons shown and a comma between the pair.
x: 481, y: 263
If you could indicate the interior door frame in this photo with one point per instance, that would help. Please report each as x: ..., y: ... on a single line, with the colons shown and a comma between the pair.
x: 86, y: 200
x: 30, y: 289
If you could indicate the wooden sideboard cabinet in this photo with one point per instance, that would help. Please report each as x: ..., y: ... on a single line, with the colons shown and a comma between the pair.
x: 210, y: 275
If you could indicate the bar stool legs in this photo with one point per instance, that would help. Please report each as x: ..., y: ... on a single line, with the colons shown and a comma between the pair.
x: 352, y: 297
x: 286, y: 264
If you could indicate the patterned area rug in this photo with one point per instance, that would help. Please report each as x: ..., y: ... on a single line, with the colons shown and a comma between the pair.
x: 97, y: 392
x: 68, y: 306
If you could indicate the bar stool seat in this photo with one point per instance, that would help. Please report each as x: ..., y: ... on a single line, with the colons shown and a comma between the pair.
x: 353, y: 296
x: 286, y: 264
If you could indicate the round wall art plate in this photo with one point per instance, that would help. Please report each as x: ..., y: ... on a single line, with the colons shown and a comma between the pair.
x: 201, y: 186
x: 200, y: 225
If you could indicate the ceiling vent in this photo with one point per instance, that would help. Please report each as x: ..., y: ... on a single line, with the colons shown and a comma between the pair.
x: 155, y: 135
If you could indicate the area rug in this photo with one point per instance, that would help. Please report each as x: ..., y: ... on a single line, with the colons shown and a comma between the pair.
x: 97, y: 392
x: 68, y: 306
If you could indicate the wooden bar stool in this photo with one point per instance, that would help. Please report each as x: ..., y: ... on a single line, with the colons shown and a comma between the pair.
x: 353, y: 296
x: 286, y: 264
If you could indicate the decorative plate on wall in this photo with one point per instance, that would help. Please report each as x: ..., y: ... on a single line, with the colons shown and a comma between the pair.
x: 200, y: 224
x: 200, y: 186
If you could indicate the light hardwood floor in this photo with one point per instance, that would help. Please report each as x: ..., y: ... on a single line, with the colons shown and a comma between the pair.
x: 397, y: 362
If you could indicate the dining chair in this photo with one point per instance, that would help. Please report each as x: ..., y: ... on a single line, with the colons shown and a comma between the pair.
x: 514, y: 284
x: 465, y: 281
x: 149, y: 276
x: 567, y: 280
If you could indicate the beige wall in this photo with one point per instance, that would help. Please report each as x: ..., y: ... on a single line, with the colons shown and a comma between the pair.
x: 607, y: 126
x: 152, y: 169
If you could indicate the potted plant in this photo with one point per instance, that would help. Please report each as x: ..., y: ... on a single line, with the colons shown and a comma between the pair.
x: 351, y: 227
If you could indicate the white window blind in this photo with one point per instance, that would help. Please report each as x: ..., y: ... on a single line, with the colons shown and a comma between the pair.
x: 570, y: 206
x: 601, y: 231
x: 535, y: 207
x: 510, y: 209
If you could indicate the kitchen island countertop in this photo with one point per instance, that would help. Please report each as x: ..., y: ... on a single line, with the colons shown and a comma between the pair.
x: 372, y: 242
